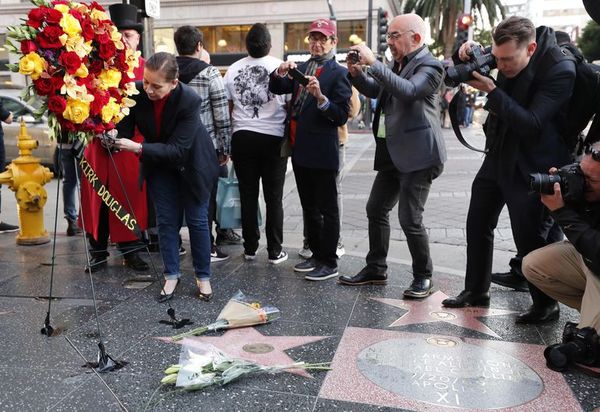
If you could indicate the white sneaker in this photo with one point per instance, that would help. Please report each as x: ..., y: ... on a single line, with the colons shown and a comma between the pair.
x: 340, y: 251
x: 249, y: 257
x: 305, y: 252
x: 282, y: 257
x: 216, y: 255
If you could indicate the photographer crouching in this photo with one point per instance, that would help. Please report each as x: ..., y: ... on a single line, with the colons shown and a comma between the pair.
x: 569, y: 271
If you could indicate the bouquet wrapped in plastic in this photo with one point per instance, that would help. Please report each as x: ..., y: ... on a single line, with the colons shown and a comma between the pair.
x: 202, y: 364
x: 240, y: 311
x: 79, y: 67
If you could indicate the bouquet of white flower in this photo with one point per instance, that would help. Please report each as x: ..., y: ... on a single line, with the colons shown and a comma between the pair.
x: 202, y: 364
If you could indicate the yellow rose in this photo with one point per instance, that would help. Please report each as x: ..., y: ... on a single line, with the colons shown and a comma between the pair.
x: 32, y: 64
x: 78, y: 45
x: 110, y: 110
x: 82, y: 72
x: 70, y: 25
x: 109, y: 78
x: 98, y: 15
x: 63, y: 8
x: 77, y: 111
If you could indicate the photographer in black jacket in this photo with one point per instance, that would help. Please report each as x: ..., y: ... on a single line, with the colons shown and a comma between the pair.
x: 569, y: 271
x: 526, y: 105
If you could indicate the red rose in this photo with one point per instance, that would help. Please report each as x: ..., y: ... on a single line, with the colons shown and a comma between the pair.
x: 67, y: 126
x: 103, y: 38
x: 36, y: 17
x: 100, y: 100
x: 57, y: 104
x: 53, y: 16
x: 76, y: 14
x: 114, y: 92
x: 28, y: 46
x: 87, y: 30
x: 44, y: 86
x: 101, y: 127
x: 95, y: 5
x: 70, y: 61
x: 49, y: 37
x: 96, y: 67
x: 58, y: 82
x: 107, y: 50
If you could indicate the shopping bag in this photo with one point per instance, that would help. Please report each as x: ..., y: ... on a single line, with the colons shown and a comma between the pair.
x: 229, y: 205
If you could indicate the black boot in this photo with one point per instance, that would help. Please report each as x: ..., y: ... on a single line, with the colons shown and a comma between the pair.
x: 135, y: 262
x: 72, y: 228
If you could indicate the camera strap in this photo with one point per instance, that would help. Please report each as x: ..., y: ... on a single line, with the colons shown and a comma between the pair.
x: 453, y: 111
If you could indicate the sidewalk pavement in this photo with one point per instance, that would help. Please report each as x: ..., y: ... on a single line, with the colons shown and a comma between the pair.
x: 387, y: 353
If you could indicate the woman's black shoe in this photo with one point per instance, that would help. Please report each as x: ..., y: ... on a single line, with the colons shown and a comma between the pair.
x: 168, y: 296
x: 468, y: 298
x: 203, y: 296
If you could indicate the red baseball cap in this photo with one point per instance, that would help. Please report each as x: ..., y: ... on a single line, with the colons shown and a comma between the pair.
x: 325, y: 26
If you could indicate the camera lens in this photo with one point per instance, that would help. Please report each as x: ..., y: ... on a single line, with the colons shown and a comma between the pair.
x: 543, y: 183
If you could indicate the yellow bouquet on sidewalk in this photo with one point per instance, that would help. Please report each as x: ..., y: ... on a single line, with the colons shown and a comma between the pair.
x: 240, y: 311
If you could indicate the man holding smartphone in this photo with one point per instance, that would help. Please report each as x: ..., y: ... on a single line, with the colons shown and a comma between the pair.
x: 317, y: 109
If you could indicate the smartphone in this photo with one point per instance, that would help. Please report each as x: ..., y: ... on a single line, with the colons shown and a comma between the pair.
x: 298, y: 76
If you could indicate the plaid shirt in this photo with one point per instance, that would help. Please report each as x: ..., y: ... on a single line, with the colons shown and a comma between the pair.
x: 214, y: 111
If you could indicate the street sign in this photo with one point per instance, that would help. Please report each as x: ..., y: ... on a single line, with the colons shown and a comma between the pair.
x: 152, y: 8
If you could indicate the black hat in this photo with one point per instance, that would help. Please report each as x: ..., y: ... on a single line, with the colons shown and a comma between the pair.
x: 125, y: 16
x: 593, y: 9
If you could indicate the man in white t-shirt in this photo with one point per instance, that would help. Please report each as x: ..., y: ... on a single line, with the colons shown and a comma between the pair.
x: 258, y: 119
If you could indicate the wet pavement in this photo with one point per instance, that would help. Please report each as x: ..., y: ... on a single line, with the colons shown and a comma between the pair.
x: 387, y: 353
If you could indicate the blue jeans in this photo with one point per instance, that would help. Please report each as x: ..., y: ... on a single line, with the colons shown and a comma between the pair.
x: 70, y: 183
x: 172, y: 200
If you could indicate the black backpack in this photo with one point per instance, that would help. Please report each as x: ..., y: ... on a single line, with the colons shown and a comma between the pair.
x: 584, y: 103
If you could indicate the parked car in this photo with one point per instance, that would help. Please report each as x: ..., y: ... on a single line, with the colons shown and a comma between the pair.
x: 38, y: 129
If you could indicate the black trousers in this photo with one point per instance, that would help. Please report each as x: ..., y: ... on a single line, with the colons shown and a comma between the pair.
x: 99, y: 247
x: 317, y: 189
x: 410, y: 192
x: 257, y: 157
x: 212, y: 205
x: 529, y: 219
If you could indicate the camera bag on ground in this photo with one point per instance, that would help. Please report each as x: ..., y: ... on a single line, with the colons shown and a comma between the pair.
x: 585, y: 100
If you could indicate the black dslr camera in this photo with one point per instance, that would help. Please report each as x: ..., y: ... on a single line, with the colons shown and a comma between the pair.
x: 570, y: 177
x: 353, y: 56
x: 479, y: 61
x: 578, y: 346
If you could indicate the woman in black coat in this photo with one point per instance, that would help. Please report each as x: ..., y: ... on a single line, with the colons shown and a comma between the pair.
x: 179, y: 165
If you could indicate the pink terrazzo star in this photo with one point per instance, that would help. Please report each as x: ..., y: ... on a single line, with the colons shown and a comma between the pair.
x: 249, y: 344
x: 431, y: 310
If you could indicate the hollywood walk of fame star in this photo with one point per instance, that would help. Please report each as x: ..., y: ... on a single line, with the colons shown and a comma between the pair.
x: 250, y: 344
x: 431, y: 310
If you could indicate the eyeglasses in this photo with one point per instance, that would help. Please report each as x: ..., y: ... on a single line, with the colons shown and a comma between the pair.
x: 594, y: 152
x: 317, y: 39
x: 396, y: 35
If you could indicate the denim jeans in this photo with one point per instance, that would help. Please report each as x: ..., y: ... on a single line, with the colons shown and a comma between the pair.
x: 410, y: 192
x: 70, y: 183
x: 172, y: 201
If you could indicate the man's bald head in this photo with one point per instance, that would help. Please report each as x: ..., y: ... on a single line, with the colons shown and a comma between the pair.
x: 406, y: 34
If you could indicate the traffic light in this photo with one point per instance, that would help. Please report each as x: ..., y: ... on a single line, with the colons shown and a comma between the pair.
x: 462, y: 29
x: 382, y: 28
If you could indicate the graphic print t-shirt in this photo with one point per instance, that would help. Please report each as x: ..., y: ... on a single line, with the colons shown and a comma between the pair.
x: 254, y: 107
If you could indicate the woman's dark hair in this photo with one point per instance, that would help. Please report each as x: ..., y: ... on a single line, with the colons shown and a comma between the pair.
x: 258, y: 41
x: 165, y: 63
x: 187, y: 39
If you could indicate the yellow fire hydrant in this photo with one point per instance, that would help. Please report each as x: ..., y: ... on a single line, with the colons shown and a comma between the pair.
x: 25, y: 176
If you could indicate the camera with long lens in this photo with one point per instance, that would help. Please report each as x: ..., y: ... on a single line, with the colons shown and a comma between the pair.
x: 353, y: 56
x: 479, y: 61
x: 580, y: 346
x: 570, y: 178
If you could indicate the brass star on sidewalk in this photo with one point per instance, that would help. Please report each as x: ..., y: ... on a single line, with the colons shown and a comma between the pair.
x: 431, y: 310
x: 249, y: 344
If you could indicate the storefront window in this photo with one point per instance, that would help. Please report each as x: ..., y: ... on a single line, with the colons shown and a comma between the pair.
x: 350, y: 32
x: 225, y: 39
x: 5, y: 79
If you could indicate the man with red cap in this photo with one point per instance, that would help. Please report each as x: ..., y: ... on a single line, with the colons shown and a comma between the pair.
x: 317, y: 109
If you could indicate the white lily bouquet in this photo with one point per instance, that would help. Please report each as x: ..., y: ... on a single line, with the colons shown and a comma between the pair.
x: 202, y: 364
x: 240, y: 311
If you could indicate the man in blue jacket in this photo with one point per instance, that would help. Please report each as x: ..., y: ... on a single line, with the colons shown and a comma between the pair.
x: 317, y: 109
